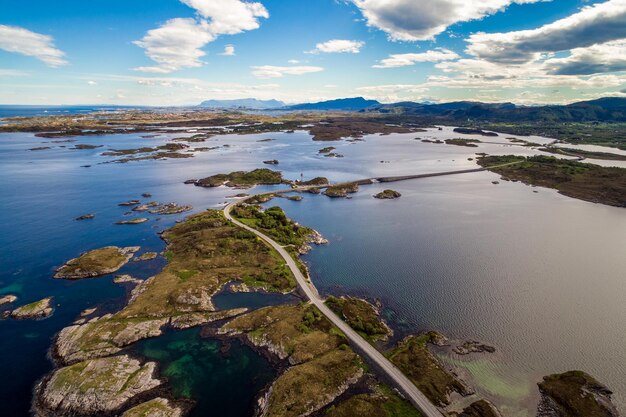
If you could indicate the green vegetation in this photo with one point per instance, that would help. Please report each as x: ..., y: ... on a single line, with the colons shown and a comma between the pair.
x: 342, y: 190
x: 275, y: 223
x: 315, y: 181
x: 323, y: 365
x: 388, y: 195
x: 96, y: 262
x: 414, y: 359
x: 382, y: 402
x: 35, y: 310
x: 262, y: 176
x: 97, y: 386
x: 312, y: 385
x: 205, y: 252
x: 360, y: 315
x: 583, y: 154
x: 327, y: 149
x: 297, y: 332
x: 480, y: 408
x: 470, y: 143
x: 601, y: 134
x: 605, y: 185
x: 577, y: 394
x: 159, y: 407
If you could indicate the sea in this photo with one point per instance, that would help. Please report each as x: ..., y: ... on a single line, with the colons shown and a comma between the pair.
x: 538, y: 275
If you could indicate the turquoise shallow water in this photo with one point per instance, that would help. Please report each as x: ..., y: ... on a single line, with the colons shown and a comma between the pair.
x: 222, y: 377
x: 538, y: 275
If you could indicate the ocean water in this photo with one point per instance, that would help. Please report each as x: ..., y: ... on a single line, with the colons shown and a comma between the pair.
x: 538, y: 275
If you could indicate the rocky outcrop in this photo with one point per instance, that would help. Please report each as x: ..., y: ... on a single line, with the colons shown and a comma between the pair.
x: 388, y: 195
x: 574, y: 394
x: 138, y: 220
x: 159, y: 407
x: 37, y: 310
x: 315, y: 238
x: 96, y: 262
x: 103, y: 336
x: 472, y: 346
x: 185, y: 321
x: 95, y: 386
x: 86, y: 216
x: 148, y: 256
x: 125, y: 278
x: 480, y: 408
x: 7, y: 299
x: 171, y: 208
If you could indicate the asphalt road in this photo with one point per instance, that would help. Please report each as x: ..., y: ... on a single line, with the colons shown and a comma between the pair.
x: 402, y: 382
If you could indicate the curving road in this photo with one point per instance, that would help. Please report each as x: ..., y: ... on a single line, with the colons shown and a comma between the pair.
x: 402, y: 382
x: 418, y: 399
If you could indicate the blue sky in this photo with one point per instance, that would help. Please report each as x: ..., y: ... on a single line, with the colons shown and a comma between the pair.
x: 180, y: 52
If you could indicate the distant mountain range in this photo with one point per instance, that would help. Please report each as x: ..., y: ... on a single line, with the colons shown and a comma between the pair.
x: 343, y: 104
x: 244, y: 103
x: 603, y: 109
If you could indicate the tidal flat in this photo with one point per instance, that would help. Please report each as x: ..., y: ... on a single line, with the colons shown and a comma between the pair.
x: 419, y: 265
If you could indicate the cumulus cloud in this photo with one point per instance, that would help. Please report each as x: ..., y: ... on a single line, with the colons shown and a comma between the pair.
x: 229, y: 17
x: 23, y: 41
x: 178, y: 43
x: 91, y: 82
x: 607, y: 57
x: 270, y: 71
x: 338, y: 46
x: 411, y: 20
x: 175, y: 45
x: 229, y: 50
x: 403, y: 60
x: 596, y: 24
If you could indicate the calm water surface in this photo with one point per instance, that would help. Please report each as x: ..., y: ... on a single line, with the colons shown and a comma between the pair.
x: 537, y: 274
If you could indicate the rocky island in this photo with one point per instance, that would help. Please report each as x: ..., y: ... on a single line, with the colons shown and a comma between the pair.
x: 388, y: 195
x: 242, y: 179
x: 574, y: 394
x: 96, y: 262
x: 37, y: 310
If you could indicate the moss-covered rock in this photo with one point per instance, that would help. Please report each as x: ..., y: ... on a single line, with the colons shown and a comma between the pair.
x: 382, y: 402
x: 308, y: 387
x: 158, y: 407
x: 480, y: 408
x: 96, y: 262
x: 361, y: 316
x: 242, y: 179
x: 37, y: 310
x: 388, y: 195
x: 414, y: 359
x: 95, y: 386
x: 574, y: 394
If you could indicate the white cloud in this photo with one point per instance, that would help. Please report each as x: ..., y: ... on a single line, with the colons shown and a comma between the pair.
x: 603, y: 58
x: 91, y: 82
x: 270, y: 71
x: 229, y: 50
x: 600, y: 23
x: 338, y: 46
x: 293, y: 61
x: 413, y: 20
x: 23, y: 41
x: 402, y: 60
x: 229, y: 17
x: 175, y: 45
x: 178, y: 43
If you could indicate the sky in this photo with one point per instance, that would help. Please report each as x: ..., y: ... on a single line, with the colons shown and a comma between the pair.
x: 181, y: 52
